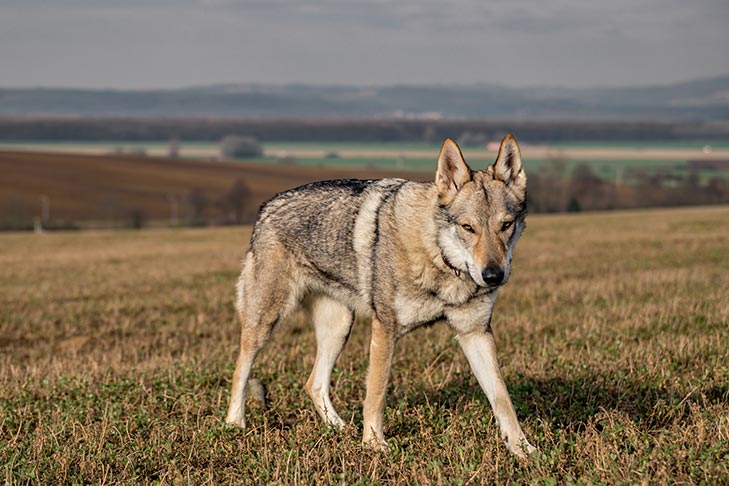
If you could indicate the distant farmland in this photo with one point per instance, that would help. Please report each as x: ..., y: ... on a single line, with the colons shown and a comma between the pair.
x: 96, y: 189
x: 114, y: 183
x: 608, y: 160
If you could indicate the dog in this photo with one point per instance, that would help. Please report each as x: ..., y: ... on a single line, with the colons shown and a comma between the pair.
x: 408, y: 254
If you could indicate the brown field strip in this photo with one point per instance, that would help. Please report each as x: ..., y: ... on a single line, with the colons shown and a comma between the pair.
x: 94, y: 187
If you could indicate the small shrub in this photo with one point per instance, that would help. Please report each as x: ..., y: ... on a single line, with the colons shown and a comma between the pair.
x: 236, y: 147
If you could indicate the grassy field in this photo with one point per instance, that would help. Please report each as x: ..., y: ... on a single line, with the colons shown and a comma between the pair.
x: 117, y: 349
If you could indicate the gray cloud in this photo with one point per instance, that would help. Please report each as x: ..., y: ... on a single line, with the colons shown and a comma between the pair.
x: 167, y: 43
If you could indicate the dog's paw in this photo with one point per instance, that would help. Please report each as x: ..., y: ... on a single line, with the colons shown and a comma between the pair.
x: 335, y: 422
x: 376, y: 444
x: 532, y: 453
x: 236, y: 417
x: 524, y: 450
x: 237, y: 422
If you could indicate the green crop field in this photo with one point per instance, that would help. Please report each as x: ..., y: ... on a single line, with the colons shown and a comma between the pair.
x: 117, y: 349
x: 608, y: 160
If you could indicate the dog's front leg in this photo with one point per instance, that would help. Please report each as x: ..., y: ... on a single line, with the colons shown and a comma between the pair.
x: 382, y: 346
x: 480, y: 350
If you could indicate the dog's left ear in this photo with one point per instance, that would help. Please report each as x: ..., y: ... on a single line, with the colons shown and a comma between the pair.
x: 452, y: 173
x: 508, y: 167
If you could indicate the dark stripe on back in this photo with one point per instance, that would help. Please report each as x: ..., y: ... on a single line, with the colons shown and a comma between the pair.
x: 355, y: 187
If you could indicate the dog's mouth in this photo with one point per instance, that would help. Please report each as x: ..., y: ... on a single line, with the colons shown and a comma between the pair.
x: 448, y: 264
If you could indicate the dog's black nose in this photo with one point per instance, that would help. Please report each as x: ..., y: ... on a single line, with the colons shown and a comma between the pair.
x: 493, y: 275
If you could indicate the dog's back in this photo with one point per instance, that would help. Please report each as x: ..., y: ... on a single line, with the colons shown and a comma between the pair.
x: 315, y: 222
x: 327, y: 228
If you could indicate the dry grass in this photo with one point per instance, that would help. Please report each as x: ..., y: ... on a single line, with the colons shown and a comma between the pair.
x: 117, y: 348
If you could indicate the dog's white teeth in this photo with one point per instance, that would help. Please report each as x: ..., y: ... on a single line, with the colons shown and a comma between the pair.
x: 458, y: 272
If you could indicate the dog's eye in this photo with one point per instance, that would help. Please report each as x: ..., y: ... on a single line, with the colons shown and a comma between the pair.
x: 467, y: 227
x: 506, y: 225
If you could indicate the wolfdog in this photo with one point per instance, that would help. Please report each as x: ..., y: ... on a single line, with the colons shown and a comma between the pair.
x: 407, y: 254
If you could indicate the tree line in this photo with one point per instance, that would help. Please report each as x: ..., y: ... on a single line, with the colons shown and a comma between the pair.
x: 364, y: 130
x: 555, y: 189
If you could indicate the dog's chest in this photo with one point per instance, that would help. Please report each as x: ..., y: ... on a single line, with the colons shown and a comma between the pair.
x: 418, y: 309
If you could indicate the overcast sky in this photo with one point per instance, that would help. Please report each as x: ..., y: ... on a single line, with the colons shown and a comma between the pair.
x: 173, y: 43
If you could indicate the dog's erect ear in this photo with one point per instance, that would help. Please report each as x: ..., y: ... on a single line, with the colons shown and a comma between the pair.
x: 452, y: 173
x: 507, y: 167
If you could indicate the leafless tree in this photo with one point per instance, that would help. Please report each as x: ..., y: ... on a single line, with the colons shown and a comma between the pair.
x: 236, y: 203
x: 197, y: 205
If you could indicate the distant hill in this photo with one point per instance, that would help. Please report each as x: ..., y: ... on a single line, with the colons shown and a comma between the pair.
x: 699, y: 100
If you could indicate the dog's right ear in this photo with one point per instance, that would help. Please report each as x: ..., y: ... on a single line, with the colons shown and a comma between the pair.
x: 452, y: 173
x: 508, y: 166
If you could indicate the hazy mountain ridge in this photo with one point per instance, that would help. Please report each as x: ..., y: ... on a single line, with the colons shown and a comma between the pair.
x: 700, y: 100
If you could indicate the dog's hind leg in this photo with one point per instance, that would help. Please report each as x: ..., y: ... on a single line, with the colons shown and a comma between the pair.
x: 263, y: 299
x: 332, y: 323
x: 250, y: 344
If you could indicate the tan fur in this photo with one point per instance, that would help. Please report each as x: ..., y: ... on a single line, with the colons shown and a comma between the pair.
x: 382, y: 346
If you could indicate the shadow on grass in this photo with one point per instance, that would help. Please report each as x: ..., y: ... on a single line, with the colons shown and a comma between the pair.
x: 565, y: 402
x: 573, y: 402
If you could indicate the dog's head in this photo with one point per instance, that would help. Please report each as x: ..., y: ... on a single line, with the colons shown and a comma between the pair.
x: 481, y: 213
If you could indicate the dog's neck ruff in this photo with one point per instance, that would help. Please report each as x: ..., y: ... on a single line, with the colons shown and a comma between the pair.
x: 448, y: 264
